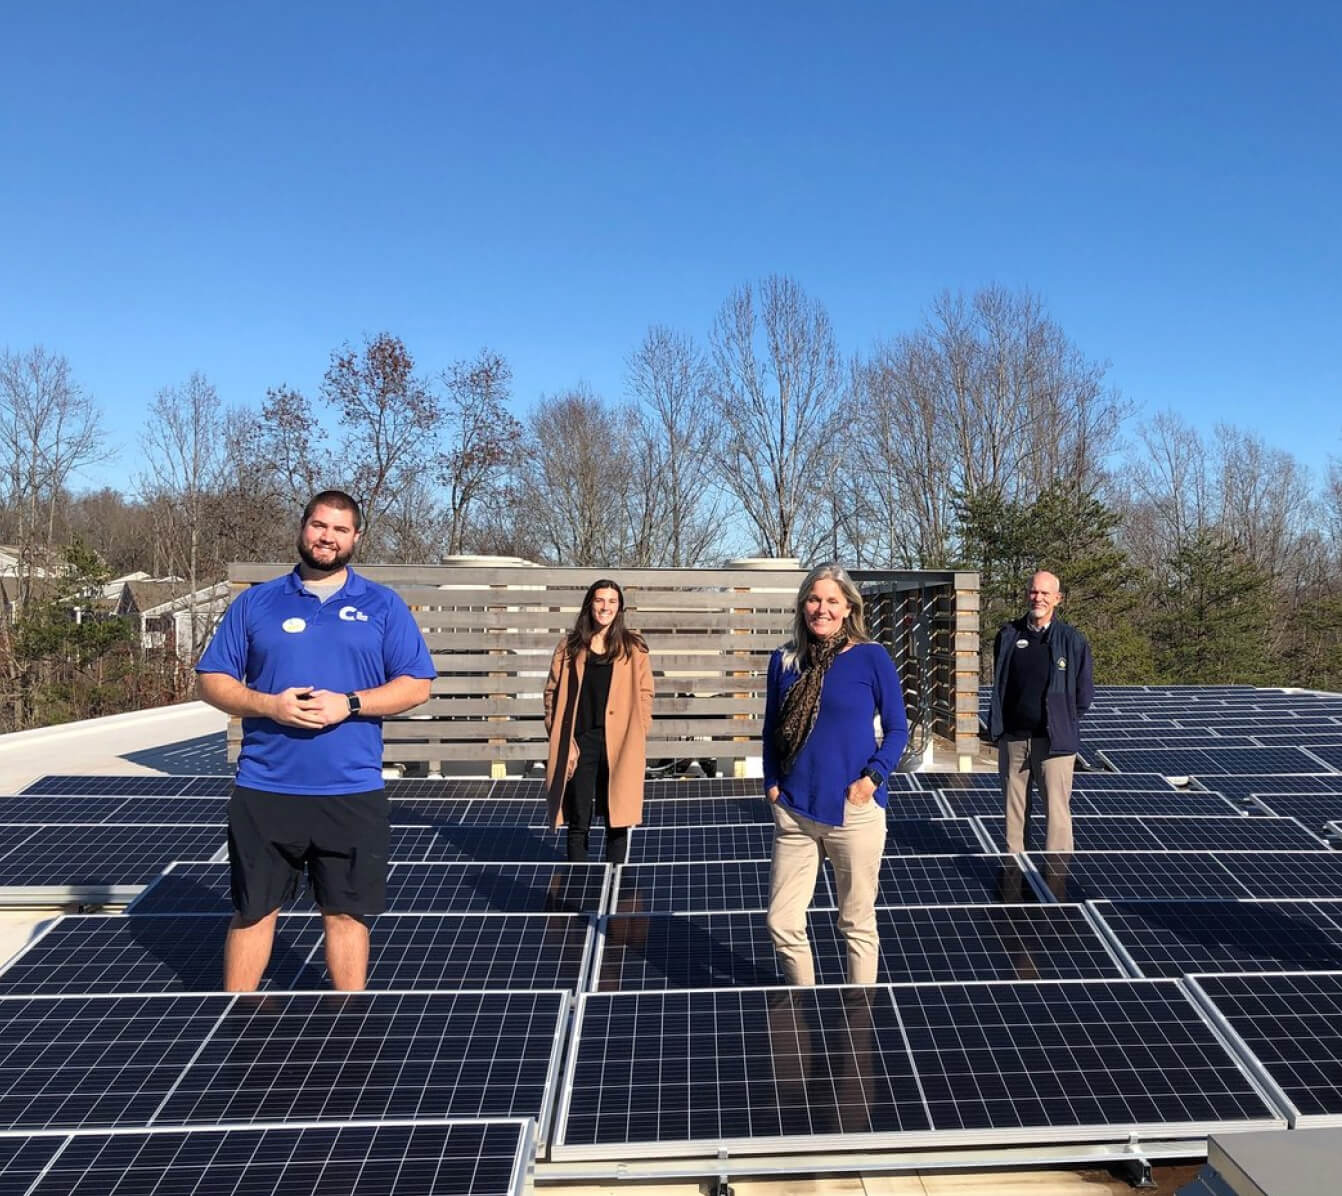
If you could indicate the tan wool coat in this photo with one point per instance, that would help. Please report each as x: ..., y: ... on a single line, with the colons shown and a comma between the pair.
x: 628, y: 718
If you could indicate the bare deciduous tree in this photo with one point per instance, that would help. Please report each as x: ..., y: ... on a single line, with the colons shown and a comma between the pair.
x: 669, y: 378
x: 49, y: 429
x: 482, y: 441
x: 776, y: 387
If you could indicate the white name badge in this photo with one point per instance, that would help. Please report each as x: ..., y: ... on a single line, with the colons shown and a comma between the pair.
x: 1022, y: 643
x: 294, y: 625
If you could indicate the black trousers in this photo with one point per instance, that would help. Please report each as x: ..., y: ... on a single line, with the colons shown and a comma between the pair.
x: 588, y: 795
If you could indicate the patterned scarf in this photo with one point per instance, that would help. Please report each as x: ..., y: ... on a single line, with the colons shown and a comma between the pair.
x: 802, y: 703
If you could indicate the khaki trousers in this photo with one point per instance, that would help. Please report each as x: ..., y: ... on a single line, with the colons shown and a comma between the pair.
x: 855, y: 850
x: 1021, y: 761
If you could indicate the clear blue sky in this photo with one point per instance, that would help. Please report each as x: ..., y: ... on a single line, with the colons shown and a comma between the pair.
x: 239, y: 188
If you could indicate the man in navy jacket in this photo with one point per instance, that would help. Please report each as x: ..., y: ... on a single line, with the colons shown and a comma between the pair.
x: 1042, y: 686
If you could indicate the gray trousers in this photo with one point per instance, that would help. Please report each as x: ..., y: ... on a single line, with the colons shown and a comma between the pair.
x: 1022, y: 761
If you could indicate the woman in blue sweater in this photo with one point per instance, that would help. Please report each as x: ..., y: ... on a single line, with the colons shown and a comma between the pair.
x: 825, y: 771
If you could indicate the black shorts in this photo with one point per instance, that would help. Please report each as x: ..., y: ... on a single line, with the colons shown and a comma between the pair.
x: 341, y: 840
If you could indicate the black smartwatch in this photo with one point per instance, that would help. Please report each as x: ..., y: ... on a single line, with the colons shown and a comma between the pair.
x: 876, y: 778
x: 354, y: 703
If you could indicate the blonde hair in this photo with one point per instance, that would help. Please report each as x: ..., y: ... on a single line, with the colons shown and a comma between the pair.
x: 796, y: 650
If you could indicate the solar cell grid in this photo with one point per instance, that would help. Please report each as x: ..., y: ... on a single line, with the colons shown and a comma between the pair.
x: 1173, y: 938
x: 444, y: 789
x: 1329, y: 753
x: 830, y: 1066
x: 707, y: 844
x: 207, y: 786
x: 712, y: 950
x: 457, y: 1159
x: 1187, y: 761
x: 1170, y: 801
x: 916, y: 805
x: 1174, y: 833
x: 1095, y: 782
x: 54, y: 809
x: 196, y: 887
x: 970, y: 803
x: 110, y: 786
x: 1239, y: 788
x: 432, y: 811
x: 452, y: 843
x: 950, y: 782
x: 463, y: 951
x: 1292, y: 1022
x: 178, y: 811
x: 932, y: 836
x: 67, y: 1062
x: 948, y: 880
x: 111, y: 954
x: 1311, y: 810
x: 724, y: 885
x: 22, y: 1160
x: 1316, y: 874
x: 1090, y: 875
x: 346, y: 1056
x: 106, y: 855
x: 704, y: 811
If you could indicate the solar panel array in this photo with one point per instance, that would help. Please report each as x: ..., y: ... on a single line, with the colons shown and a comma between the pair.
x: 1035, y: 999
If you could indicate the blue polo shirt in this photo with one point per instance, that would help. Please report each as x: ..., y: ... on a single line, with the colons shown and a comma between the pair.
x: 275, y: 635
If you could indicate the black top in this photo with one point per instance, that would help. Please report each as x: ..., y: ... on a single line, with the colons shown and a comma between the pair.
x: 591, y: 721
x: 1027, y: 676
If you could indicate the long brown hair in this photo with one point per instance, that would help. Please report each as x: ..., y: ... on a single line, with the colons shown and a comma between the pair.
x: 621, y: 641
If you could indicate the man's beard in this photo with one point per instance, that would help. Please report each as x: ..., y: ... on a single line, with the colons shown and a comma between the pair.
x: 337, y: 562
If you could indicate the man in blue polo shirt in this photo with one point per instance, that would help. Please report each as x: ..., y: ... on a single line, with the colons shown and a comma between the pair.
x: 311, y: 662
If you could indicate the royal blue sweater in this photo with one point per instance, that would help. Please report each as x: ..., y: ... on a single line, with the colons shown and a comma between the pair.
x: 860, y: 684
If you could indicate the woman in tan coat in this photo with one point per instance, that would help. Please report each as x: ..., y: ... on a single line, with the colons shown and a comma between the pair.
x: 598, y: 708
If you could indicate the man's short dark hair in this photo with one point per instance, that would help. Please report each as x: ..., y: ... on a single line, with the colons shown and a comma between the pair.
x: 338, y: 499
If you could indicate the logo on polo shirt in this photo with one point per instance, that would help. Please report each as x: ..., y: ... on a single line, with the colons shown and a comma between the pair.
x: 294, y: 625
x: 1062, y: 662
x: 352, y: 613
x: 1022, y: 643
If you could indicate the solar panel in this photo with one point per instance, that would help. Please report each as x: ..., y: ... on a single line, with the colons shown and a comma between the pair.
x: 1172, y: 938
x: 53, y: 809
x: 1187, y: 761
x: 1329, y: 753
x: 1316, y: 874
x: 954, y: 781
x: 1171, y: 801
x: 1170, y: 875
x: 1310, y: 739
x: 444, y: 952
x: 411, y: 888
x: 1242, y: 787
x: 102, y: 857
x: 949, y: 880
x: 1122, y: 832
x: 1292, y: 1023
x: 67, y: 1062
x: 1094, y: 782
x: 704, y: 811
x: 707, y: 844
x: 932, y: 836
x: 22, y: 1160
x: 967, y: 803
x: 916, y: 805
x: 449, y: 843
x: 461, y: 1158
x: 449, y: 789
x: 433, y: 811
x: 758, y: 1070
x: 345, y: 1056
x: 701, y: 787
x: 145, y: 785
x: 206, y: 786
x: 991, y: 942
x: 724, y: 885
x: 111, y: 954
